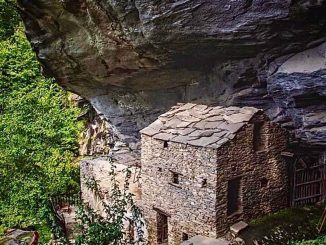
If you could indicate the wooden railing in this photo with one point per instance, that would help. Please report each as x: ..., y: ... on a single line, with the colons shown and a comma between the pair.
x: 61, y: 201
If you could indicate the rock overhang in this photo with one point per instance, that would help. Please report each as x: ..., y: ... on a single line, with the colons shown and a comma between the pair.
x: 134, y: 60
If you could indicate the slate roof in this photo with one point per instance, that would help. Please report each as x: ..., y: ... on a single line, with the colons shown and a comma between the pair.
x: 200, y: 125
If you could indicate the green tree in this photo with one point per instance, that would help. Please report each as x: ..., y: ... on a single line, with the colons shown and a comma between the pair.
x: 38, y: 135
x: 9, y: 18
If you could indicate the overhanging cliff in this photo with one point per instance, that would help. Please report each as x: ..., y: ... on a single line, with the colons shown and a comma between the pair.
x: 134, y: 59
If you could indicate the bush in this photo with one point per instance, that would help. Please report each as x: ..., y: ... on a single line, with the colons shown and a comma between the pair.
x: 39, y: 134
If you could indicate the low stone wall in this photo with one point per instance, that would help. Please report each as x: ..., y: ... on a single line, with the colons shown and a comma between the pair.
x: 100, y: 170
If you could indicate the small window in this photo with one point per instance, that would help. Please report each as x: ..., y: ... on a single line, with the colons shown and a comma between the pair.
x: 263, y: 182
x: 165, y: 144
x: 159, y: 169
x: 185, y: 236
x: 204, y: 183
x: 175, y: 178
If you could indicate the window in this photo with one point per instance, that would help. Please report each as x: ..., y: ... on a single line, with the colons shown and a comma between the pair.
x: 234, y: 196
x: 258, y: 136
x: 185, y: 236
x: 263, y: 182
x: 165, y: 144
x: 159, y: 169
x: 175, y: 178
x: 204, y: 183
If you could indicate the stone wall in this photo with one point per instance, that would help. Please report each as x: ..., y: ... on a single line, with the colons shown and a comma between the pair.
x: 238, y: 159
x: 190, y: 206
x: 197, y: 210
x: 101, y: 169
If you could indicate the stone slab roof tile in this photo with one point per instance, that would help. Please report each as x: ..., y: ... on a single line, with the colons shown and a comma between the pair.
x: 202, y: 133
x: 149, y: 131
x: 200, y: 125
x: 186, y: 131
x: 183, y: 139
x: 214, y: 118
x: 187, y: 106
x: 230, y: 127
x: 219, y: 143
x: 203, y: 141
x: 211, y: 125
x: 164, y: 136
x: 190, y: 119
x: 200, y: 107
x: 183, y: 124
x: 249, y: 110
x: 238, y: 117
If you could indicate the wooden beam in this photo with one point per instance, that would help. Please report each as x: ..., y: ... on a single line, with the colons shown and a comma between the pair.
x: 287, y: 154
x: 308, y: 197
x: 309, y: 182
x: 161, y: 211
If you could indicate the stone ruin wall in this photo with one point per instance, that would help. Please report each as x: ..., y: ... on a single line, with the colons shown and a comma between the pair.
x: 100, y: 169
x: 238, y: 159
x: 191, y: 207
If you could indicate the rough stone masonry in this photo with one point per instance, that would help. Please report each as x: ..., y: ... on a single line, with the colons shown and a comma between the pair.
x: 203, y: 171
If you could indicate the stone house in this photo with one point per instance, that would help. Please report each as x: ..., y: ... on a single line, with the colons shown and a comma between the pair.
x: 206, y: 168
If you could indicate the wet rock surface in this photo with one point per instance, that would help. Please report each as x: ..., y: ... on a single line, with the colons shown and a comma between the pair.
x: 135, y: 59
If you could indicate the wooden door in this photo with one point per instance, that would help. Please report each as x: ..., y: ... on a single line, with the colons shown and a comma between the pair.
x: 309, y: 181
x: 162, y: 228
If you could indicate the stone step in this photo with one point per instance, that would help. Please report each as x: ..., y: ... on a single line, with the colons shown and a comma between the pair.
x: 201, y: 240
x: 238, y: 227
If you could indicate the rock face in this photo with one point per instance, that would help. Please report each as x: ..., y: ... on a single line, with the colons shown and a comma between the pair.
x: 134, y: 59
x: 298, y: 88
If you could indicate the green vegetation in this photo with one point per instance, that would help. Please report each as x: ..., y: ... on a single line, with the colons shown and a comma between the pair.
x: 38, y: 147
x: 39, y: 131
x: 318, y: 241
x: 108, y: 228
x: 284, y: 226
x: 118, y: 210
x: 9, y: 19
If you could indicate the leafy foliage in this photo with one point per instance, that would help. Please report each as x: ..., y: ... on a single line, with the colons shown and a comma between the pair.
x: 39, y: 132
x: 317, y: 241
x: 9, y: 18
x: 108, y: 226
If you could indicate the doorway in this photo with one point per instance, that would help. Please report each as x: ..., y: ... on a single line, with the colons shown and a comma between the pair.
x: 162, y: 228
x: 234, y: 198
